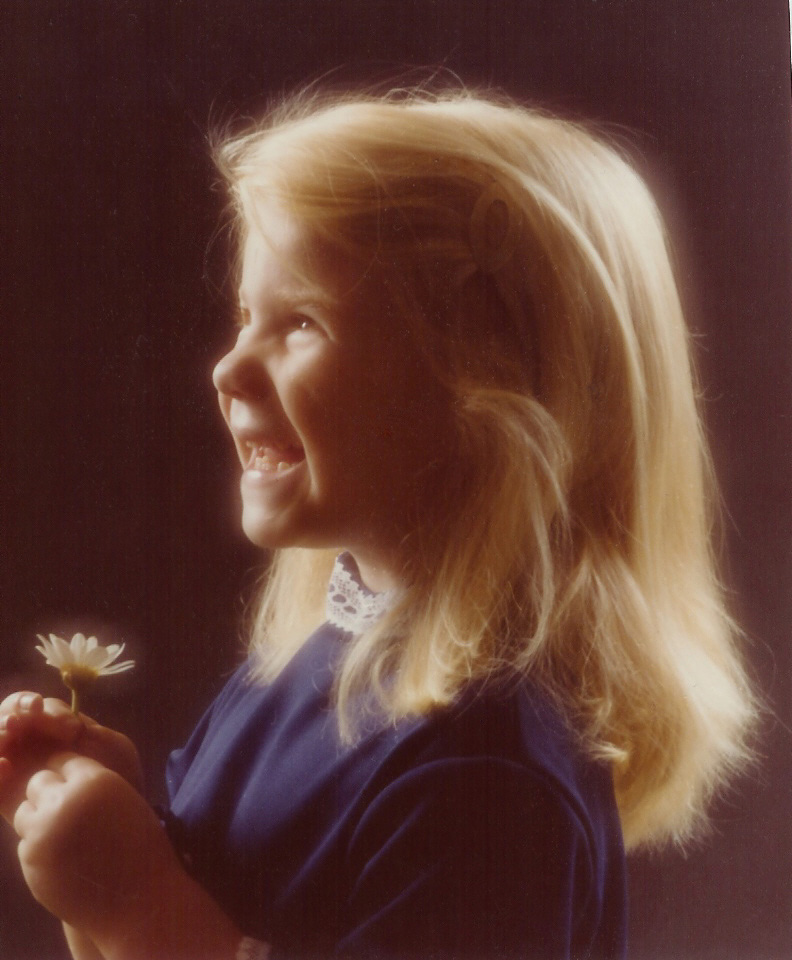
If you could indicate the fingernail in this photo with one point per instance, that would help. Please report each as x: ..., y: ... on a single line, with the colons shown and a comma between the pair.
x: 26, y: 702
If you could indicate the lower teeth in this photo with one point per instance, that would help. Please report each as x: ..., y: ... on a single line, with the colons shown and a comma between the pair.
x: 265, y: 465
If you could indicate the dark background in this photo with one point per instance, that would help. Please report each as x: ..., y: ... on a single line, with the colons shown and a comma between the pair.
x: 117, y: 513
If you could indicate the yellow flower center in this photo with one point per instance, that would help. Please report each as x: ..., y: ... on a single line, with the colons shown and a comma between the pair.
x: 78, y: 675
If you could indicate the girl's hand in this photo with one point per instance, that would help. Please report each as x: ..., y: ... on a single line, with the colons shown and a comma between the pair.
x: 28, y: 715
x: 94, y: 854
x: 90, y: 847
x: 32, y: 728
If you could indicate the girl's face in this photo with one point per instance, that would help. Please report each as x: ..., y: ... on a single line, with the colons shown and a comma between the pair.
x: 342, y: 432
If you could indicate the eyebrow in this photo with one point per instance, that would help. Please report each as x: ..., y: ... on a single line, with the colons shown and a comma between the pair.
x: 304, y: 297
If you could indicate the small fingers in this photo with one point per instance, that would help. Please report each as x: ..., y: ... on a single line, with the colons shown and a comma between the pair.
x: 66, y: 764
x: 23, y: 818
x: 53, y: 707
x: 7, y: 728
x: 16, y: 708
x: 58, y: 720
x: 11, y: 725
x: 39, y: 783
x: 23, y: 701
x: 30, y: 714
x: 31, y: 704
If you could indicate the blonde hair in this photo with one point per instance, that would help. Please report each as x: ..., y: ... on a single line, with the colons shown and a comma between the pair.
x: 530, y: 263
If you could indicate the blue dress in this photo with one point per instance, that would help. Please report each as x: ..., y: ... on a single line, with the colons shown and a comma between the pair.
x: 477, y: 831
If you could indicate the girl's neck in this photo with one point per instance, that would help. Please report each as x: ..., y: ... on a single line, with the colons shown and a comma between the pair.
x: 377, y: 573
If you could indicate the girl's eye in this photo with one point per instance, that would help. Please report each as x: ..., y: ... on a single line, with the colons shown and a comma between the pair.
x: 303, y: 323
x: 299, y: 322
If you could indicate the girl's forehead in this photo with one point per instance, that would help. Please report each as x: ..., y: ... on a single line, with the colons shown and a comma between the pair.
x: 282, y: 255
x: 270, y: 271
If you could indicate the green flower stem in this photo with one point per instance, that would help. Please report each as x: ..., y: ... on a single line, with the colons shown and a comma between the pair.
x: 76, y: 678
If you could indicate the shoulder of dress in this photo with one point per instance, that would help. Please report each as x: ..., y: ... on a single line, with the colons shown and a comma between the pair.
x: 514, y: 731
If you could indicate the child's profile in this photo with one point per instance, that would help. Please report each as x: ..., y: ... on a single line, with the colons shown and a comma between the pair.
x: 492, y: 651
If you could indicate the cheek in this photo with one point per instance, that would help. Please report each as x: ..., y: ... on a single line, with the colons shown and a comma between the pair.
x: 308, y: 393
x: 340, y: 421
x: 408, y: 403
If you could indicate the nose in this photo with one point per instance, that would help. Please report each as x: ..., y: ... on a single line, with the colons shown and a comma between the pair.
x: 239, y: 374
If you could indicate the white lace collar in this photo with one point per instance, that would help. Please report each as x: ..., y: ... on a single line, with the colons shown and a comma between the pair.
x: 351, y: 606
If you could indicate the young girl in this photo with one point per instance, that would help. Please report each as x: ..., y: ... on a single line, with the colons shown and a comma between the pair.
x: 492, y: 648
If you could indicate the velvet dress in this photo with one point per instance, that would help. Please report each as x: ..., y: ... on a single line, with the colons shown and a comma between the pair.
x: 477, y: 831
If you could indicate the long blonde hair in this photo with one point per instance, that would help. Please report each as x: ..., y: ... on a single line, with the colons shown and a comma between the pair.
x: 529, y: 261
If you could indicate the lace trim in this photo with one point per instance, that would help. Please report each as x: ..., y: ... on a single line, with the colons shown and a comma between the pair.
x: 351, y: 606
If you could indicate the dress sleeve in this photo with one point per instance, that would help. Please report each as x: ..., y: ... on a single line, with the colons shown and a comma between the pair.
x: 179, y: 760
x: 472, y: 858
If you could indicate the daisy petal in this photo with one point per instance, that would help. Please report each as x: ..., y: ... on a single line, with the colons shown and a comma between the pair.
x: 117, y: 668
x: 46, y: 656
x: 95, y: 658
x: 46, y: 649
x: 78, y: 647
x: 61, y: 649
x: 83, y: 656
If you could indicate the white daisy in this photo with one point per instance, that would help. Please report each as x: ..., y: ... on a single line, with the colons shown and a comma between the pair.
x: 82, y: 661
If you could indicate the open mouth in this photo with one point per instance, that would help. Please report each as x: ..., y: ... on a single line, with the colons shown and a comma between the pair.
x: 264, y: 458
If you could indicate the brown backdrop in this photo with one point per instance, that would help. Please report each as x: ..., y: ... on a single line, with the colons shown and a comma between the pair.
x: 115, y: 506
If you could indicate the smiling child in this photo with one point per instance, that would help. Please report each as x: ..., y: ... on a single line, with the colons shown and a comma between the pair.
x: 492, y: 651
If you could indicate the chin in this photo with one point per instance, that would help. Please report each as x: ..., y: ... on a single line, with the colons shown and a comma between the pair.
x: 268, y: 536
x: 264, y: 529
x: 279, y: 532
